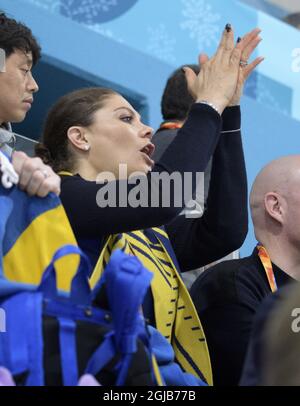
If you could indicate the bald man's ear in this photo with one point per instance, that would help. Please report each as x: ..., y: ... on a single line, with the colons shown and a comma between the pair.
x: 274, y: 206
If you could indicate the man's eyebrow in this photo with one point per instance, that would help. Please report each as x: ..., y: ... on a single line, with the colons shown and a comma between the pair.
x: 28, y: 59
x: 128, y: 109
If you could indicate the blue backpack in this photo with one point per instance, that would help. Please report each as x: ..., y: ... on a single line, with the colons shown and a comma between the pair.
x: 53, y: 339
x: 51, y: 330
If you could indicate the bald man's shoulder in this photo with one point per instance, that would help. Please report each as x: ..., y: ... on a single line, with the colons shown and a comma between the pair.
x: 230, y: 282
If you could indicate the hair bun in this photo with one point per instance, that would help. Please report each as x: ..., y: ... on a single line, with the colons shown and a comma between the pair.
x: 43, y: 152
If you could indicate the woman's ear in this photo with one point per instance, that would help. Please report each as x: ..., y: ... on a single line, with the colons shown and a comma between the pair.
x: 76, y: 136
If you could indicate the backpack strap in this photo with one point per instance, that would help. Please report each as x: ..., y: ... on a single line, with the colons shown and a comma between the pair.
x: 80, y: 290
x: 102, y: 355
x: 68, y: 351
x: 22, y: 343
x: 126, y: 283
x: 34, y: 332
x: 80, y: 295
x: 126, y: 274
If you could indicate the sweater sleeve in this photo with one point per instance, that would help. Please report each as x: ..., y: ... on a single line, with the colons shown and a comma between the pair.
x: 81, y: 198
x: 224, y: 224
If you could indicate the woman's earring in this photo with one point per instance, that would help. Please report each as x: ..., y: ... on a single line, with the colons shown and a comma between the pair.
x: 87, y: 147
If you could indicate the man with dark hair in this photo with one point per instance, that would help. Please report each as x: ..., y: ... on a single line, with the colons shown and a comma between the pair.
x: 21, y: 52
x: 16, y: 36
x: 293, y: 19
x: 175, y: 104
x: 176, y: 100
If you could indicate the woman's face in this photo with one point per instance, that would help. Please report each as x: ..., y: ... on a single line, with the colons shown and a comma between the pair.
x: 118, y: 136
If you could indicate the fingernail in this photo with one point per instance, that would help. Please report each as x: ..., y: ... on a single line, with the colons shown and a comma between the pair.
x: 239, y: 39
x: 228, y: 27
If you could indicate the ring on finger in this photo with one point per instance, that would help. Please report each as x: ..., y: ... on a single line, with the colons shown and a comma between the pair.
x: 243, y: 64
x: 44, y: 172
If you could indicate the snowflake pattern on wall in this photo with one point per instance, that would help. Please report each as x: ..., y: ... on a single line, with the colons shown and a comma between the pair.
x: 264, y: 96
x: 250, y: 89
x: 161, y: 44
x: 263, y: 90
x: 201, y: 22
x: 106, y: 32
x: 86, y: 11
x: 53, y: 6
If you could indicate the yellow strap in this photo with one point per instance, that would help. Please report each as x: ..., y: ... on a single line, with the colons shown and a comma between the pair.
x: 267, y: 264
x: 156, y: 371
x: 65, y: 173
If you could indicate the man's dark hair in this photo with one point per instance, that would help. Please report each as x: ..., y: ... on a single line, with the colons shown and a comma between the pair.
x: 176, y: 100
x: 293, y: 19
x: 16, y: 36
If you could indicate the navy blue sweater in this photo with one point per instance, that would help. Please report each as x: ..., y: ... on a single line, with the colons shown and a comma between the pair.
x: 196, y: 242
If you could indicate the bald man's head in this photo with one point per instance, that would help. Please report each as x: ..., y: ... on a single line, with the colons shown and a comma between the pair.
x: 275, y: 193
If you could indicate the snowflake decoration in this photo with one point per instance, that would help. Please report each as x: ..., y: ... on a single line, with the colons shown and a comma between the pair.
x: 201, y: 22
x: 87, y: 10
x: 268, y: 96
x: 161, y: 44
x: 251, y: 86
x: 257, y: 89
x: 264, y: 96
x: 106, y: 32
x: 53, y: 6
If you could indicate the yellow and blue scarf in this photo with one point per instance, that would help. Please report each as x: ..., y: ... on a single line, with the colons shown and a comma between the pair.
x: 175, y: 314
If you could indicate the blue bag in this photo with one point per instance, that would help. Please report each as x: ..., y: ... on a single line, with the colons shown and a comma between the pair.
x: 52, y: 339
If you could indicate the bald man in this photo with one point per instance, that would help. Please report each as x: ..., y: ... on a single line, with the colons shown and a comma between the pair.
x: 228, y: 295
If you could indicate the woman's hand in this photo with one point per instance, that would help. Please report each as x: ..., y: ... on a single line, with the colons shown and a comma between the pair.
x: 249, y: 42
x: 35, y: 178
x: 217, y: 80
x: 221, y: 78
